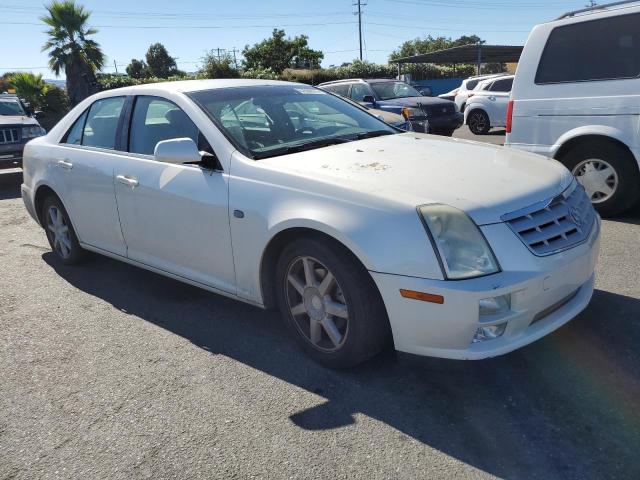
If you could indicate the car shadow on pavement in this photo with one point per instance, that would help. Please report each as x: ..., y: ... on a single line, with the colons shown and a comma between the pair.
x: 10, y: 184
x: 567, y: 406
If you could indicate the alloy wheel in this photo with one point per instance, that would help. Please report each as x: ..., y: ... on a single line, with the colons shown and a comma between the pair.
x: 477, y: 123
x: 57, y: 226
x: 598, y: 178
x: 317, y: 304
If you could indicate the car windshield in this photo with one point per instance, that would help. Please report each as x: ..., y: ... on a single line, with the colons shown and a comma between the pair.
x: 389, y: 90
x: 11, y: 107
x: 270, y: 120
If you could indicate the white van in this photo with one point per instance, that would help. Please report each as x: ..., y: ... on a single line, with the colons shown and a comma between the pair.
x: 576, y: 98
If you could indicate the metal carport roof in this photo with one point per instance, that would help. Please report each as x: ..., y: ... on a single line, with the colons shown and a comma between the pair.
x: 473, y: 53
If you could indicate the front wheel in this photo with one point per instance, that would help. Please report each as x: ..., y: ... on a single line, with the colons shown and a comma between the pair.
x: 478, y: 122
x: 608, y: 174
x: 330, y: 303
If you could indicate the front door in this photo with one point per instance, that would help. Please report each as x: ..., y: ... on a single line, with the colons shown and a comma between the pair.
x: 173, y: 217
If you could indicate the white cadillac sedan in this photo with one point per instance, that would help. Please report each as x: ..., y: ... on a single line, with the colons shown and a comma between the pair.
x: 279, y: 194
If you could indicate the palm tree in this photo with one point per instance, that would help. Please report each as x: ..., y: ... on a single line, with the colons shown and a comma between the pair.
x: 29, y: 86
x: 70, y: 50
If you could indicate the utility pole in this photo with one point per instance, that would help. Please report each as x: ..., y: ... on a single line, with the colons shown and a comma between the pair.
x: 235, y: 60
x: 359, y: 4
x: 115, y: 65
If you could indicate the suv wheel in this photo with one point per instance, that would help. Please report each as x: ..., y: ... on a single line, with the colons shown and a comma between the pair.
x: 60, y: 233
x: 330, y: 303
x: 608, y: 174
x: 478, y: 122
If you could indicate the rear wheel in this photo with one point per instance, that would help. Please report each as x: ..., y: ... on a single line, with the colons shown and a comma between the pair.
x: 608, y: 174
x: 60, y: 233
x: 478, y: 122
x: 330, y: 303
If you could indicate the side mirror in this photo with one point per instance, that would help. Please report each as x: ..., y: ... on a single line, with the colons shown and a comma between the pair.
x: 368, y: 99
x: 426, y: 92
x: 37, y: 114
x: 177, y: 151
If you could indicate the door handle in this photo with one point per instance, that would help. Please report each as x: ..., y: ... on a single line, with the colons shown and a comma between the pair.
x: 65, y: 164
x: 493, y: 99
x: 128, y: 181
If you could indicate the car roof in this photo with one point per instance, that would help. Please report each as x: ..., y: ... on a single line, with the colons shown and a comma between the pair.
x: 184, y: 86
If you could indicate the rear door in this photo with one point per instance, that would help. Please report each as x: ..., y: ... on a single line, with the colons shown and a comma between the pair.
x: 174, y: 217
x: 83, y: 165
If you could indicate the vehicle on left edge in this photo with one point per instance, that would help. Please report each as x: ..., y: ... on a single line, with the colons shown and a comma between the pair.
x: 280, y: 194
x: 17, y: 127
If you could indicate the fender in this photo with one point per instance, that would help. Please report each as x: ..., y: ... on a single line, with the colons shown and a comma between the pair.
x: 590, y: 130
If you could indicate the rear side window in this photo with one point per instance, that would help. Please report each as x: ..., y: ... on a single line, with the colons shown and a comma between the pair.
x: 359, y: 91
x: 342, y: 89
x: 102, y: 123
x: 471, y: 84
x: 74, y: 135
x: 605, y: 49
x: 502, y: 85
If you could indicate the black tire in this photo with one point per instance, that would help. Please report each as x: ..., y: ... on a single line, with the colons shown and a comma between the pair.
x: 367, y: 331
x: 75, y: 254
x: 627, y: 191
x: 478, y: 122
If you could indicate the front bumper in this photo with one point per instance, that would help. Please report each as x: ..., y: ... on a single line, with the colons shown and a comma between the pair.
x: 445, y: 123
x: 11, y: 155
x: 546, y: 292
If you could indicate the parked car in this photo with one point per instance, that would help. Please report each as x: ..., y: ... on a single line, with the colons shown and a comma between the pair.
x: 467, y: 86
x: 280, y: 194
x: 427, y: 114
x: 17, y: 127
x: 487, y: 105
x: 449, y: 95
x: 390, y: 118
x: 576, y: 98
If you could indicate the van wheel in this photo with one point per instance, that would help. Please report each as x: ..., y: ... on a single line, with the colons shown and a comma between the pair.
x: 60, y: 233
x: 330, y: 303
x: 608, y: 174
x: 478, y: 122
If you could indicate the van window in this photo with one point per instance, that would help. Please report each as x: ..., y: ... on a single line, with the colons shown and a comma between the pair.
x: 603, y: 49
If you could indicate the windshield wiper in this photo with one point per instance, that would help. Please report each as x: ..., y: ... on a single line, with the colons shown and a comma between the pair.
x: 374, y: 133
x: 321, y: 142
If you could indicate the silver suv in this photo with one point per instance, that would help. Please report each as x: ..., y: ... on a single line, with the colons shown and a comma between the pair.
x: 17, y: 127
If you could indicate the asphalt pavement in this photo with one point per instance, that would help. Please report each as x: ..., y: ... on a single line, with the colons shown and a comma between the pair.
x: 109, y: 371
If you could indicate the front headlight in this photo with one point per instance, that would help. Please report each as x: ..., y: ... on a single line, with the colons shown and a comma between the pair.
x: 462, y: 248
x: 408, y: 113
x: 33, y: 131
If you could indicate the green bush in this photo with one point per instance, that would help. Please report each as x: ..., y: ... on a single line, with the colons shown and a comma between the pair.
x: 55, y: 100
x: 261, y: 73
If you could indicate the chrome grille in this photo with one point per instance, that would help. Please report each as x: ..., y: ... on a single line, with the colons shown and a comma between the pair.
x: 554, y: 225
x: 9, y: 135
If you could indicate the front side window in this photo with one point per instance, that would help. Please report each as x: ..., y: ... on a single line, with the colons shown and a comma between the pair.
x: 389, y: 90
x: 156, y: 119
x: 102, y: 123
x: 266, y: 121
x: 605, y: 49
x: 341, y: 89
x: 358, y: 92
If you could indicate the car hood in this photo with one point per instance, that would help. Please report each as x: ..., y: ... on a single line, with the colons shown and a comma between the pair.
x: 414, y: 101
x: 483, y: 180
x: 17, y: 120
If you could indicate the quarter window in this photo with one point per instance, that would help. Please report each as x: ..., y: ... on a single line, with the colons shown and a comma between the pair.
x: 102, y: 123
x: 502, y: 85
x: 74, y: 135
x: 156, y: 119
x: 569, y: 56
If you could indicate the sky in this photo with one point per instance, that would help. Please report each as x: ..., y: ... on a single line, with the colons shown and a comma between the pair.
x: 189, y: 28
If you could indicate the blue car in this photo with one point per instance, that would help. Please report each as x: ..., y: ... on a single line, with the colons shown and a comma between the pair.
x: 426, y: 114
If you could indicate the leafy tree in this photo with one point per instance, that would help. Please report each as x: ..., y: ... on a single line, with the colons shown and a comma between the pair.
x: 159, y: 63
x: 70, y: 49
x: 30, y: 87
x: 137, y: 69
x: 55, y: 100
x: 217, y: 67
x: 279, y: 52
